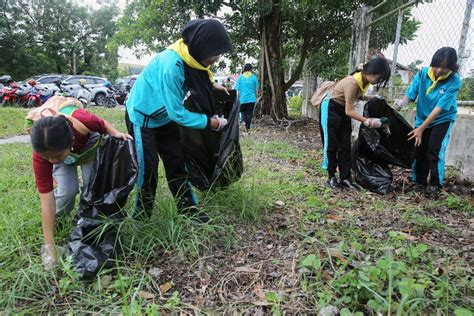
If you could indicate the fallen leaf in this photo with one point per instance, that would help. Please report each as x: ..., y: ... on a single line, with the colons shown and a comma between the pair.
x: 334, y: 253
x: 279, y: 203
x: 165, y: 287
x: 146, y: 295
x: 258, y: 291
x: 335, y: 218
x: 246, y: 270
x: 408, y: 236
x: 155, y: 272
x: 105, y: 280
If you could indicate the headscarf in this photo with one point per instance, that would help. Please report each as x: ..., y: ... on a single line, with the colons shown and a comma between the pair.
x: 204, y: 38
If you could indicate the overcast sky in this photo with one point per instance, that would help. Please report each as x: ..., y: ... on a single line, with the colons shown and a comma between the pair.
x: 441, y: 26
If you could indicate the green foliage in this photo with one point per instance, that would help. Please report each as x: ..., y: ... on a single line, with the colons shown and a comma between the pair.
x: 46, y: 36
x: 295, y: 103
x: 467, y: 90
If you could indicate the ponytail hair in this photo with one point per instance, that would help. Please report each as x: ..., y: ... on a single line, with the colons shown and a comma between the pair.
x: 448, y: 55
x: 51, y: 133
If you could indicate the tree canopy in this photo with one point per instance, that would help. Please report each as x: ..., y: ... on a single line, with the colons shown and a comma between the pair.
x: 56, y: 36
x: 275, y: 32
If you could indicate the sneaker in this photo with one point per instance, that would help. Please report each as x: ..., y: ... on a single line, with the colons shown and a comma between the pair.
x: 349, y: 185
x: 333, y: 183
x: 418, y: 187
x: 432, y: 190
x: 196, y: 214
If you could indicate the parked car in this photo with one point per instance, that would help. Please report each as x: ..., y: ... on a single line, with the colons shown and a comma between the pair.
x: 96, y: 85
x: 46, y: 81
x: 123, y: 86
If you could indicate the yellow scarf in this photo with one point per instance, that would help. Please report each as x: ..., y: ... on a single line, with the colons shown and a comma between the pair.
x: 247, y: 74
x: 431, y: 75
x: 358, y: 77
x: 182, y: 49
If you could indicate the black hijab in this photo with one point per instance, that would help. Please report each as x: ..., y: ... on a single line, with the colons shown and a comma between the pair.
x: 204, y: 38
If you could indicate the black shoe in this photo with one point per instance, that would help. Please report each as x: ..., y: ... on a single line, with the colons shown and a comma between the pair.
x: 432, y: 190
x: 419, y: 187
x: 196, y: 214
x: 349, y: 185
x: 333, y: 183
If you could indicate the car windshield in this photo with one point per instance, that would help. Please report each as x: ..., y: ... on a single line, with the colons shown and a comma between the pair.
x: 120, y: 82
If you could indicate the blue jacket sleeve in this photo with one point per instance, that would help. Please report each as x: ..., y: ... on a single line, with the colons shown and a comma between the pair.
x: 256, y: 82
x: 414, y: 88
x: 237, y: 84
x: 448, y: 99
x: 174, y: 104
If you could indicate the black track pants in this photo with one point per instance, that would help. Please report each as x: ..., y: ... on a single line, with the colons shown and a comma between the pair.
x: 336, y: 129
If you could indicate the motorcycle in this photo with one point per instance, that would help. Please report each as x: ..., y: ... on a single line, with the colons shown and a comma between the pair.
x: 34, y: 98
x: 45, y: 94
x: 84, y: 95
x: 9, y: 92
x: 23, y: 94
x: 110, y: 101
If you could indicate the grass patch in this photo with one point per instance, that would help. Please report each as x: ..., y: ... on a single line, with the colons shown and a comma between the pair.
x: 116, y: 290
x: 280, y: 150
x: 12, y: 119
x: 362, y: 252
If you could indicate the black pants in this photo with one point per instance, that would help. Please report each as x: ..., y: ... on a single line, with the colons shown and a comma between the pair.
x: 335, y: 127
x: 152, y: 143
x: 429, y: 156
x: 246, y: 112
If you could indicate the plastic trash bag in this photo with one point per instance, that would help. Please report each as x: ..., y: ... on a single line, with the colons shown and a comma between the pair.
x: 113, y: 177
x: 214, y: 158
x: 372, y: 176
x: 375, y: 150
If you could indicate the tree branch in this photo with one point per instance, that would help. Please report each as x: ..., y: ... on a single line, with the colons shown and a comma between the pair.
x: 231, y: 4
x: 304, y: 53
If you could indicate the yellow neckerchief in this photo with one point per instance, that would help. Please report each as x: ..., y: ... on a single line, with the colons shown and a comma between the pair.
x: 431, y: 75
x: 182, y: 49
x: 247, y: 74
x: 358, y: 77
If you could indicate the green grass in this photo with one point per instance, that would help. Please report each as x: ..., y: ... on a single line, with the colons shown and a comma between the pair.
x: 352, y: 249
x: 32, y: 290
x: 12, y: 119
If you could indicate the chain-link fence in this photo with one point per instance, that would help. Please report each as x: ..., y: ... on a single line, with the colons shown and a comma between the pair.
x: 438, y: 23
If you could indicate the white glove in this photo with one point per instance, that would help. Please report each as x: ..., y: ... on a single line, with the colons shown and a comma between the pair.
x: 373, y: 123
x: 222, y: 122
x: 400, y: 104
x: 48, y: 254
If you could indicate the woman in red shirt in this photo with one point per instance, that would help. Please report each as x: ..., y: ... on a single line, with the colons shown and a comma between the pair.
x: 61, y: 144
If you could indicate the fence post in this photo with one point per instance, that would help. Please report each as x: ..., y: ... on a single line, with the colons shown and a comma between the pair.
x: 360, y: 37
x: 395, y: 52
x: 463, y: 39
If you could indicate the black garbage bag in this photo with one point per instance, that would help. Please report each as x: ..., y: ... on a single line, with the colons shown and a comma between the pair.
x: 214, y: 158
x: 113, y: 177
x: 372, y: 176
x: 375, y: 150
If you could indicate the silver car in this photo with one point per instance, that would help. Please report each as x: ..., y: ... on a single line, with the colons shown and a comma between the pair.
x: 96, y: 85
x: 46, y: 81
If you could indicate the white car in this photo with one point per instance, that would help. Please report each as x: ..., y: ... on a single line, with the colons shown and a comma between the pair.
x: 96, y: 85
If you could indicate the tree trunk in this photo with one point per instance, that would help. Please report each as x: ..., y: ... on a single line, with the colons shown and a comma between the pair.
x: 273, y: 99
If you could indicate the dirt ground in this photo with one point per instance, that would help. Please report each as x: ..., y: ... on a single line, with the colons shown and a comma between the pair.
x: 266, y: 257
